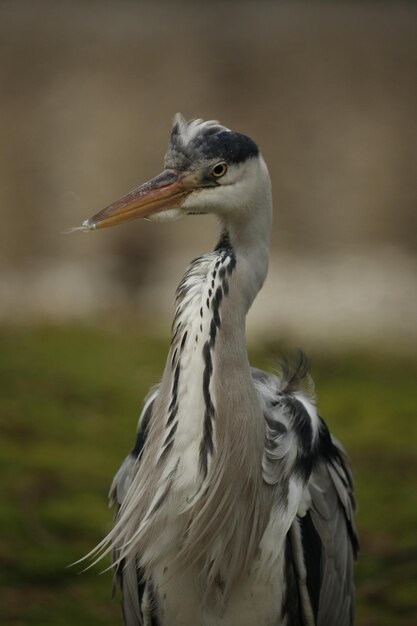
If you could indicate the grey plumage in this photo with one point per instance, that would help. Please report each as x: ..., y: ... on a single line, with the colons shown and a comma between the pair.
x: 325, y: 532
x: 235, y: 506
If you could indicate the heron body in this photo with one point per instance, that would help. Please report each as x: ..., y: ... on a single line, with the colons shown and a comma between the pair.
x: 235, y: 506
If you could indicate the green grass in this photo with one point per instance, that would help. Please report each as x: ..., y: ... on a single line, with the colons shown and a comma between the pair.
x: 69, y: 402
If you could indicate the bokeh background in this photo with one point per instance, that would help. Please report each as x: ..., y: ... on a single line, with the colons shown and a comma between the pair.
x: 87, y: 93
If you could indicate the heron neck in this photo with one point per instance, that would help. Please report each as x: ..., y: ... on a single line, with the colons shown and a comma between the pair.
x: 251, y: 249
x: 214, y: 409
x: 248, y: 231
x: 206, y: 439
x: 208, y: 365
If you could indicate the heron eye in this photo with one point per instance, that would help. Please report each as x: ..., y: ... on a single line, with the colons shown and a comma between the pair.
x: 219, y: 170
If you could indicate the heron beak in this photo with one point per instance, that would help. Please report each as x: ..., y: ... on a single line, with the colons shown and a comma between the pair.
x: 168, y: 190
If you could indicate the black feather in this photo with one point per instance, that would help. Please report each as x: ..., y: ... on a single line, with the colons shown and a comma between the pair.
x: 312, y: 550
x: 291, y: 608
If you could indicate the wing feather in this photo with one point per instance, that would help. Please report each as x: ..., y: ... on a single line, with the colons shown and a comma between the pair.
x: 322, y: 542
x: 128, y: 575
x: 329, y: 526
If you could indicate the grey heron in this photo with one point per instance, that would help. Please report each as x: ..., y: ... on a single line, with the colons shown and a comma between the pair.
x: 235, y: 506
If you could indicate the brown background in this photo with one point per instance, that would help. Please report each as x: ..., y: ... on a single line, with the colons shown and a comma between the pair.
x: 329, y: 92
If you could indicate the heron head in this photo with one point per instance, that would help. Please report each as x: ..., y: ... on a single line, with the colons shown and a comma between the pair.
x: 208, y: 169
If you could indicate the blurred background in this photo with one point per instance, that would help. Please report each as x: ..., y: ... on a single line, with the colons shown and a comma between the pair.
x: 88, y: 90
